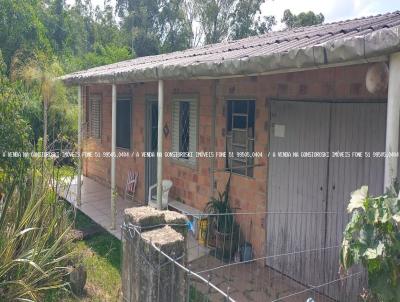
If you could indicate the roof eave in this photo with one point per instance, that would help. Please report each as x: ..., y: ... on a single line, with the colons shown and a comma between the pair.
x: 343, y: 51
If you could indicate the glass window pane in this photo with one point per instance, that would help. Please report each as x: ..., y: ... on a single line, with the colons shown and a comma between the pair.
x: 252, y: 109
x: 240, y: 134
x: 124, y: 124
x: 239, y: 137
x: 184, y: 129
x: 229, y: 116
x: 240, y: 122
x: 240, y: 106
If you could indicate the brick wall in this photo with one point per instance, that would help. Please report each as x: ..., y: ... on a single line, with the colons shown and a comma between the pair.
x: 194, y: 185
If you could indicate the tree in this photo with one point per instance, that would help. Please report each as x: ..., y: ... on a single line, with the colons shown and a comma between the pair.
x: 42, y: 75
x: 175, y: 28
x: 243, y: 23
x: 264, y: 24
x: 155, y: 25
x: 302, y: 19
x: 21, y: 27
x: 14, y: 129
x: 215, y: 19
x: 55, y: 22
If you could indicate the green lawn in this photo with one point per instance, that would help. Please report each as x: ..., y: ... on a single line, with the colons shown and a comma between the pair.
x: 101, y: 255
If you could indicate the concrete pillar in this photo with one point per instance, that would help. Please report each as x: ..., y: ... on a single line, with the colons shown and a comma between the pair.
x: 113, y: 149
x: 160, y: 142
x: 147, y: 275
x: 392, y: 120
x: 79, y: 170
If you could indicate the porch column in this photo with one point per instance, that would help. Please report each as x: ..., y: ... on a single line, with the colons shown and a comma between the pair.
x: 392, y: 119
x: 79, y: 170
x: 160, y: 142
x: 113, y: 147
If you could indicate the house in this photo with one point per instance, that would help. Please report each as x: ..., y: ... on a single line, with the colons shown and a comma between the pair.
x: 293, y: 96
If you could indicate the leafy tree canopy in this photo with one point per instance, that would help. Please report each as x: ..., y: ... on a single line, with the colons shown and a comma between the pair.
x: 303, y: 19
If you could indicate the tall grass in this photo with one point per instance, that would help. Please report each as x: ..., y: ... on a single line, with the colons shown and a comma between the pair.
x: 34, y: 246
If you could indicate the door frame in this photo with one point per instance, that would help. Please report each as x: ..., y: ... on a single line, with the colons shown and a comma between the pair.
x: 149, y: 100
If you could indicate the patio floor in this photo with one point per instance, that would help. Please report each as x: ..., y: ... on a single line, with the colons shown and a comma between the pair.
x: 247, y: 282
x: 96, y: 205
x: 251, y: 282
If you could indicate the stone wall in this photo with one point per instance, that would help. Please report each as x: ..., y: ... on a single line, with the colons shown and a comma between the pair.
x: 147, y: 274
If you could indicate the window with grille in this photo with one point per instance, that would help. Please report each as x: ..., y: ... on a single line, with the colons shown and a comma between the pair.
x: 184, y: 129
x: 95, y: 116
x: 240, y: 136
x: 124, y: 123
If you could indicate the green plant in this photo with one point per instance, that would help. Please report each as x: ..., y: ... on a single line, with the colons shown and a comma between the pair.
x: 34, y: 248
x: 372, y: 238
x: 220, y: 205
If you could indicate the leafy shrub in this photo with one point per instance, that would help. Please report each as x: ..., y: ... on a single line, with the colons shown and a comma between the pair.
x: 372, y: 238
x: 34, y: 246
x: 14, y: 130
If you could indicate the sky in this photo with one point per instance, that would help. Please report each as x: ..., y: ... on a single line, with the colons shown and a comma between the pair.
x: 333, y: 10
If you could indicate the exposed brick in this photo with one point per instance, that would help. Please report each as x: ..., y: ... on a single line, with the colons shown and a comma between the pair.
x: 193, y: 185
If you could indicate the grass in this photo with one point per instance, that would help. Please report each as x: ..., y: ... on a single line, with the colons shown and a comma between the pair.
x: 101, y: 255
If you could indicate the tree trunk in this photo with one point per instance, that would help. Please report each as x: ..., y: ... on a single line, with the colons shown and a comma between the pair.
x: 45, y: 109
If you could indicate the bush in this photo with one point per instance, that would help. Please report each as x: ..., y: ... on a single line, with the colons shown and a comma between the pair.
x: 34, y: 246
x: 14, y: 130
x: 372, y: 238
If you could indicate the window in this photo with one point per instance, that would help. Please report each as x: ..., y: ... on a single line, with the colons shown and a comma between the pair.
x: 184, y: 129
x: 240, y: 136
x: 95, y: 116
x: 124, y: 123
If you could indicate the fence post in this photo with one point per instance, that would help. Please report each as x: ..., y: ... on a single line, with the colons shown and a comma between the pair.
x: 147, y: 275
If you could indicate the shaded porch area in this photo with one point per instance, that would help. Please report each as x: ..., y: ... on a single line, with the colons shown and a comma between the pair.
x: 95, y: 199
x: 96, y: 202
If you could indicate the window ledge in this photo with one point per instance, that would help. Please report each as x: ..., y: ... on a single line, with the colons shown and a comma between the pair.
x: 184, y: 162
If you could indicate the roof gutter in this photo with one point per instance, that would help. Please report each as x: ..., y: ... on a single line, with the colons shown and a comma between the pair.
x: 352, y: 50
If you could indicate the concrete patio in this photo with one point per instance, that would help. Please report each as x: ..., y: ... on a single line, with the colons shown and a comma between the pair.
x: 96, y: 205
x: 247, y: 282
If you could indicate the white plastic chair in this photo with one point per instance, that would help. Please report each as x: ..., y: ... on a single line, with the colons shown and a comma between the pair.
x: 166, y: 186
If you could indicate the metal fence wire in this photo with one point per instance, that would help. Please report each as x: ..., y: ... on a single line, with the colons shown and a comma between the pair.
x: 166, y: 275
x: 226, y: 260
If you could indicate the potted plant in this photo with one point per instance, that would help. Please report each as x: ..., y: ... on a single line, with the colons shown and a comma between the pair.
x: 223, y: 222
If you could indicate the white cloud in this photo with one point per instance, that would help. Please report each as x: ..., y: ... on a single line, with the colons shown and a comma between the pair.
x: 333, y: 10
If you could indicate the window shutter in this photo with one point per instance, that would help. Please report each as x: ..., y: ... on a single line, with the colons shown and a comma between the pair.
x: 95, y: 116
x: 175, y: 127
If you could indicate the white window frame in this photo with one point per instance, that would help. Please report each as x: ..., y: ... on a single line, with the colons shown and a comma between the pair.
x: 193, y: 131
x: 248, y: 163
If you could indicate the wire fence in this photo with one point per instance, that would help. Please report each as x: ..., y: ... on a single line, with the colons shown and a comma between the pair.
x: 272, y: 256
x: 230, y: 257
x: 165, y: 272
